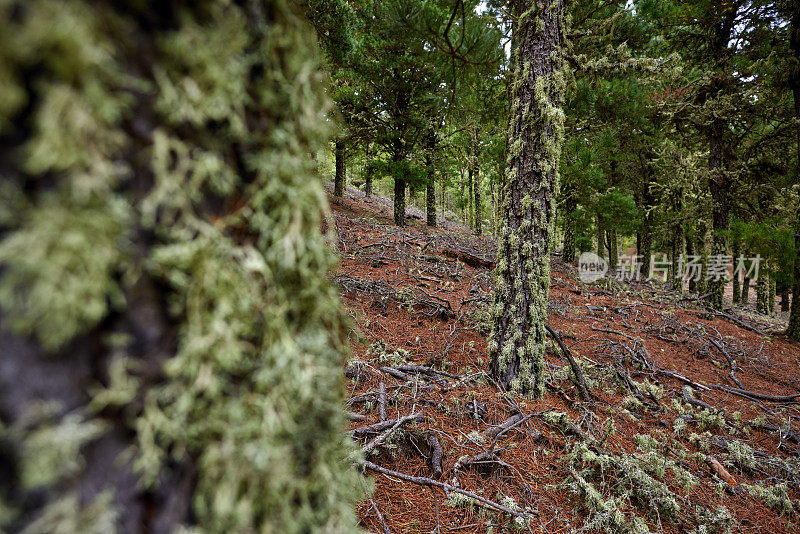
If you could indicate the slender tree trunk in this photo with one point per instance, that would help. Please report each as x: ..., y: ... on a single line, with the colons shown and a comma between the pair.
x: 368, y: 173
x: 568, y: 252
x: 719, y: 184
x: 793, y: 331
x: 737, y: 286
x: 771, y: 294
x: 601, y: 237
x: 690, y: 252
x: 612, y: 245
x: 399, y: 200
x: 762, y: 293
x: 471, y: 193
x: 340, y: 179
x: 477, y: 189
x: 745, y: 300
x: 517, y: 340
x: 677, y: 245
x: 785, y: 307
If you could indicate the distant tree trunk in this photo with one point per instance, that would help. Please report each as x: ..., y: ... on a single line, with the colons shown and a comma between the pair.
x: 517, y: 340
x: 690, y: 252
x: 762, y: 293
x: 464, y: 199
x: 568, y: 251
x: 478, y: 210
x: 745, y: 300
x: 399, y: 201
x: 644, y: 243
x: 368, y: 171
x: 612, y: 243
x: 793, y: 331
x: 702, y: 284
x: 737, y: 287
x: 471, y: 194
x: 719, y: 184
x: 601, y: 238
x: 771, y: 294
x: 340, y: 179
x: 785, y: 304
x: 677, y: 245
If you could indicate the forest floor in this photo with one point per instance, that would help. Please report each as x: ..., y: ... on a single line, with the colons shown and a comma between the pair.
x: 690, y: 425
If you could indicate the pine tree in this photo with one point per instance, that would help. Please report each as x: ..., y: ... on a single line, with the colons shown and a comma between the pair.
x: 171, y: 346
x: 535, y: 136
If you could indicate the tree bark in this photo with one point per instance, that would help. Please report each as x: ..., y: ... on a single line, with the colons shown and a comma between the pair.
x: 793, y: 331
x: 568, y: 252
x: 399, y: 202
x: 600, y: 238
x: 737, y: 286
x: 340, y: 179
x: 477, y: 191
x: 368, y: 173
x: 517, y: 339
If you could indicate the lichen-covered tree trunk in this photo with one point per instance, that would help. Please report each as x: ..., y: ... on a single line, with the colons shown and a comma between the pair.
x: 762, y: 290
x: 340, y: 178
x: 170, y: 346
x: 522, y: 278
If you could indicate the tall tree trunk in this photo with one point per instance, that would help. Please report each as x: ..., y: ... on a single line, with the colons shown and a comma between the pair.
x: 612, y: 244
x: 785, y: 307
x: 690, y: 252
x: 762, y: 293
x: 745, y: 300
x: 471, y: 193
x: 368, y: 171
x: 601, y: 238
x: 476, y: 174
x: 719, y: 183
x: 737, y: 286
x: 399, y: 201
x: 340, y: 179
x: 793, y: 331
x: 771, y: 293
x: 677, y: 246
x: 517, y: 340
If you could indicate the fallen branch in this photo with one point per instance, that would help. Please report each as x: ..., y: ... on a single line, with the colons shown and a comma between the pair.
x: 424, y: 481
x: 789, y: 399
x: 580, y: 380
x: 376, y: 427
x: 381, y: 438
x: 731, y: 363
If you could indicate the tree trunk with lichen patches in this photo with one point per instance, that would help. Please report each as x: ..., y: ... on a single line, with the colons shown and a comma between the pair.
x: 522, y: 277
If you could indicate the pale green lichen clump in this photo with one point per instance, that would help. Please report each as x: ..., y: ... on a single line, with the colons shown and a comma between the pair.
x: 173, y: 153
